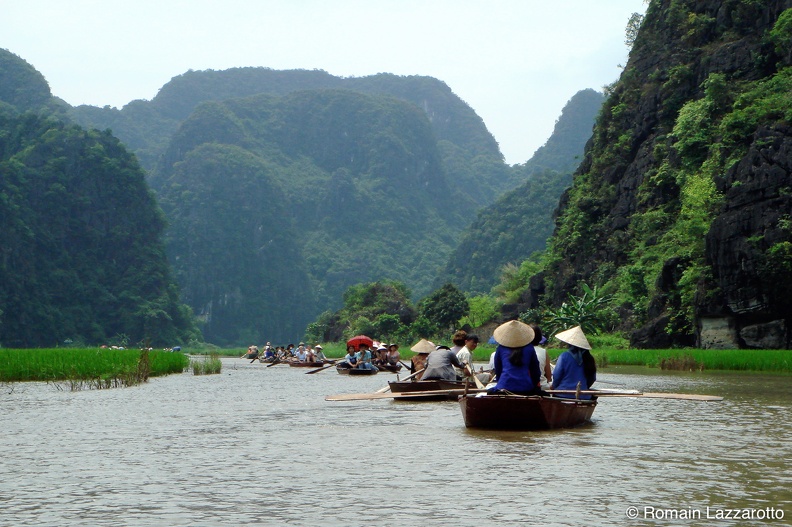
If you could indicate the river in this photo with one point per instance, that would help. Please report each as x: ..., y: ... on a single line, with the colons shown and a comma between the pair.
x: 261, y: 446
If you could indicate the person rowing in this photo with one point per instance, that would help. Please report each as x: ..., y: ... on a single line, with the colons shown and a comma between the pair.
x: 516, y: 364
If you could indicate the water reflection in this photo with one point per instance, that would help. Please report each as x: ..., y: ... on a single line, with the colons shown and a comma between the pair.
x: 260, y: 446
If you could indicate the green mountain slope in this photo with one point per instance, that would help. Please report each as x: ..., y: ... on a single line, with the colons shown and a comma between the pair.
x: 81, y: 252
x: 278, y: 204
x: 520, y: 221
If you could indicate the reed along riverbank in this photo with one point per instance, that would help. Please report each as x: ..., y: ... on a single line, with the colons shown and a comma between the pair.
x: 88, y: 364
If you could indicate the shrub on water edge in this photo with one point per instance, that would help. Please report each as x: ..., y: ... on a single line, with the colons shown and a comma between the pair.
x: 208, y: 365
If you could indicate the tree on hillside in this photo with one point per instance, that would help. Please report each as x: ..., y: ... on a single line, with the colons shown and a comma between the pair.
x: 444, y: 307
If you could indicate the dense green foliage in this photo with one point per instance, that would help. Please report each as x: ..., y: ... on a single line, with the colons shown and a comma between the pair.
x: 81, y: 256
x: 383, y: 311
x: 520, y: 221
x: 21, y: 85
x: 590, y: 311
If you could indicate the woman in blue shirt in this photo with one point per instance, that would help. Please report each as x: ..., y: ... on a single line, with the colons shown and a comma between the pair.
x: 576, y: 365
x: 516, y: 365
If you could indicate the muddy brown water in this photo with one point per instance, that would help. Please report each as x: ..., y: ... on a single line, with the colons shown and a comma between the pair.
x: 261, y: 446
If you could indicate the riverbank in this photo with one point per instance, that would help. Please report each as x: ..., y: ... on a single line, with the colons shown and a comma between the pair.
x: 106, y: 367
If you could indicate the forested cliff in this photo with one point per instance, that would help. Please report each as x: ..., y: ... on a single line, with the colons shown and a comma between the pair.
x: 682, y: 206
x: 520, y: 221
x: 81, y: 250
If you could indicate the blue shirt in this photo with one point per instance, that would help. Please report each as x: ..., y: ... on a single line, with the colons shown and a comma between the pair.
x: 568, y: 373
x: 519, y: 379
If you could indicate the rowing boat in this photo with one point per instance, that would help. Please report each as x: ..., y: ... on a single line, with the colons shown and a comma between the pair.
x: 355, y: 371
x: 299, y: 364
x: 427, y: 386
x: 518, y: 412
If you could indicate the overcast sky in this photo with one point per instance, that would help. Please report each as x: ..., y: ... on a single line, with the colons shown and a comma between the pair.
x: 515, y: 62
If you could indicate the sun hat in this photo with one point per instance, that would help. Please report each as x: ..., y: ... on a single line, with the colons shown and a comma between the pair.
x: 513, y: 334
x: 575, y: 337
x: 423, y: 346
x: 318, y: 347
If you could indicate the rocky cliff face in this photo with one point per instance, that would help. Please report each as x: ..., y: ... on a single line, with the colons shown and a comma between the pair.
x: 682, y: 205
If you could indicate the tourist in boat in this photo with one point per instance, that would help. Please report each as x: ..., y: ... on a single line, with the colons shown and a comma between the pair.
x: 310, y: 355
x: 464, y: 354
x: 381, y: 355
x: 364, y: 359
x: 458, y: 340
x: 516, y: 365
x: 392, y: 357
x: 320, y: 356
x: 269, y: 354
x: 576, y: 366
x: 349, y: 360
x: 545, y: 368
x: 422, y: 349
x: 440, y: 365
x: 252, y: 353
x: 301, y: 355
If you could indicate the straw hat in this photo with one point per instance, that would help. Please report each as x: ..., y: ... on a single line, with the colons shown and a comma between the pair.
x: 575, y: 337
x: 513, y: 334
x: 423, y: 346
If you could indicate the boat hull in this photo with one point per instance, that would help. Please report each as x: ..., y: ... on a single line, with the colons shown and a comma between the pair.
x: 355, y: 371
x: 297, y: 364
x: 426, y: 386
x: 514, y: 412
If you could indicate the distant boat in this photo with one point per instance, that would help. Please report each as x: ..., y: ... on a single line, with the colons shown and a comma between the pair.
x: 355, y: 371
x: 517, y: 412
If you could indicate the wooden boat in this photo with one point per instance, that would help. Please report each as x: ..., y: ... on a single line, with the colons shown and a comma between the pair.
x: 427, y: 386
x: 393, y: 368
x: 298, y: 364
x: 517, y: 412
x: 355, y: 371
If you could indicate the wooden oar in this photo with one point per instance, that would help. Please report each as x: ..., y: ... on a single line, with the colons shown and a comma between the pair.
x: 413, y: 375
x: 469, y: 370
x: 406, y: 395
x: 276, y: 361
x: 634, y: 393
x: 320, y: 369
x: 383, y: 390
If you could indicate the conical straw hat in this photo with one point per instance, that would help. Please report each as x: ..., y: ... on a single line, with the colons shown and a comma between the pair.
x: 513, y: 334
x: 574, y: 337
x: 423, y: 346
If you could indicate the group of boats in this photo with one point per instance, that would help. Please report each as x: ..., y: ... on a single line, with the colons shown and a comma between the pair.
x: 481, y: 409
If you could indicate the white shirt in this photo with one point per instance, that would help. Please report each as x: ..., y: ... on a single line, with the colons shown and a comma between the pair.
x: 464, y: 356
x: 541, y: 354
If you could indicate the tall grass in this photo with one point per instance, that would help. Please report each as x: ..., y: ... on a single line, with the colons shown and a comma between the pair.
x: 208, y: 365
x: 696, y: 359
x: 88, y: 366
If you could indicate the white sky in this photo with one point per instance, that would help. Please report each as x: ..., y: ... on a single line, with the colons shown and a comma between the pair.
x: 515, y: 62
